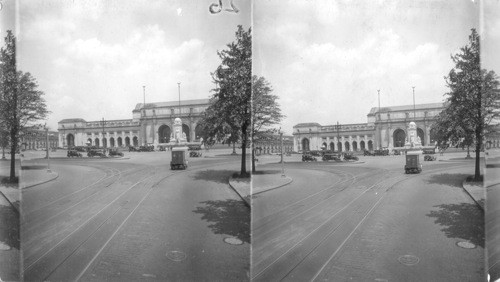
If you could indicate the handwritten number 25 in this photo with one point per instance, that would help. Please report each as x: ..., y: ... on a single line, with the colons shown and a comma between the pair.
x: 217, y: 8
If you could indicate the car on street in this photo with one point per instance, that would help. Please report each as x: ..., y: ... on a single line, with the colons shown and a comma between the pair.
x: 115, y: 152
x: 308, y: 158
x: 413, y: 164
x: 74, y: 153
x: 330, y: 157
x: 381, y: 152
x: 145, y: 149
x: 368, y: 153
x: 96, y: 153
x: 429, y: 158
x: 350, y: 157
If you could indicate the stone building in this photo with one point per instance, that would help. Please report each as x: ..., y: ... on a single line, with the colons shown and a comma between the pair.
x: 36, y: 139
x: 151, y: 123
x: 386, y: 127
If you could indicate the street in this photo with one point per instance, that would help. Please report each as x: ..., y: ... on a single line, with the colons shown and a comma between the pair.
x: 368, y: 221
x: 133, y: 218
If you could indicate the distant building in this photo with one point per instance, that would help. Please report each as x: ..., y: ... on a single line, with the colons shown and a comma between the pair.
x: 151, y: 123
x: 387, y: 127
x: 36, y: 139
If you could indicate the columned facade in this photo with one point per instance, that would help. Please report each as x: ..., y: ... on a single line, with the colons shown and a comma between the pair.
x: 151, y: 123
x: 386, y: 128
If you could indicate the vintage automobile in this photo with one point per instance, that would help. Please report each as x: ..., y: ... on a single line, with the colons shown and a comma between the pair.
x: 381, y: 152
x: 96, y: 152
x: 413, y: 164
x: 396, y: 152
x: 308, y: 157
x: 330, y: 157
x: 179, y: 160
x: 115, y: 152
x: 74, y: 153
x: 195, y: 154
x: 148, y: 148
x: 132, y: 149
x: 368, y: 153
x: 429, y: 158
x: 350, y: 157
x: 316, y: 153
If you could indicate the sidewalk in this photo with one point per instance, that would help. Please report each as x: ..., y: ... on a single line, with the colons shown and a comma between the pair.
x: 476, y: 192
x: 261, y: 182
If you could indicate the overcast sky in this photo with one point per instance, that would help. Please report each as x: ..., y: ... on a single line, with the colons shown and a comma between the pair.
x: 91, y: 58
x: 325, y: 59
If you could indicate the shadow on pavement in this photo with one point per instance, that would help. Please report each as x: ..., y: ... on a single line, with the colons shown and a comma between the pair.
x: 450, y: 179
x: 218, y: 176
x: 229, y: 217
x: 9, y: 232
x: 464, y: 221
x: 261, y: 172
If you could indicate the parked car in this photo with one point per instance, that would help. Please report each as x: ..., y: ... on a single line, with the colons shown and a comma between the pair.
x: 308, y: 157
x: 350, y: 157
x: 429, y: 158
x: 316, y: 153
x: 96, y: 152
x: 148, y: 148
x: 115, y: 152
x: 330, y: 157
x: 74, y: 153
x: 368, y: 153
x: 195, y: 154
x: 132, y: 149
x: 381, y: 152
x: 179, y: 159
x: 396, y: 152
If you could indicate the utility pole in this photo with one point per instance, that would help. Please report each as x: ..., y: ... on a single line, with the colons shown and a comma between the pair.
x: 179, y: 88
x: 380, y: 125
x: 414, y: 115
x: 144, y: 113
x: 103, y: 122
x: 338, y: 136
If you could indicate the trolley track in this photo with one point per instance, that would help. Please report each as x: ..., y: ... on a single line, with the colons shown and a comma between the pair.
x: 295, y: 256
x: 79, y: 241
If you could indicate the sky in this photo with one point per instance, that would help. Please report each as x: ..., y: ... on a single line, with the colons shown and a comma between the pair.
x: 327, y: 59
x: 324, y: 59
x: 92, y: 58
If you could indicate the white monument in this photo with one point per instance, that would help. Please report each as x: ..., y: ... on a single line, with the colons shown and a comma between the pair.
x: 179, y: 136
x: 413, y: 140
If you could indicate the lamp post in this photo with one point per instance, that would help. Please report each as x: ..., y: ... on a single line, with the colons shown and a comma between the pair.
x: 47, y: 147
x: 414, y: 115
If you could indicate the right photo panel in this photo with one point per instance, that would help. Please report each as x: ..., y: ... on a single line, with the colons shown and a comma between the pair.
x: 375, y: 141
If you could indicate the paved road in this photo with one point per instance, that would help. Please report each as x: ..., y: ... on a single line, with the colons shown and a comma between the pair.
x: 133, y: 219
x: 368, y: 222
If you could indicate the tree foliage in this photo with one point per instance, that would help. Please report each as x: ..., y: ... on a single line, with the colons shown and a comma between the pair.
x: 228, y: 116
x: 266, y: 113
x: 472, y: 102
x: 21, y: 103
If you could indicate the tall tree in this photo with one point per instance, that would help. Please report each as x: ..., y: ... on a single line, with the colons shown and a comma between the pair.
x: 229, y: 112
x: 266, y: 112
x: 21, y: 103
x: 473, y: 100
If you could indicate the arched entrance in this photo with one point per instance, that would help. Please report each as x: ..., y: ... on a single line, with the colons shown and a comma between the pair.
x: 96, y: 142
x: 370, y: 145
x: 135, y: 141
x: 127, y: 141
x: 339, y: 146
x: 420, y: 133
x: 399, y: 137
x: 89, y: 142
x: 70, y: 140
x: 120, y: 143
x: 332, y: 146
x: 104, y: 143
x: 164, y: 134
x: 347, y: 146
x: 354, y: 145
x: 198, y: 132
x: 362, y: 145
x: 112, y: 142
x: 185, y: 129
x: 305, y: 144
x: 324, y: 146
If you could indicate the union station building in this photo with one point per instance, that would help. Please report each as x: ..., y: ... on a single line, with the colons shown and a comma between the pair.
x: 151, y: 123
x: 386, y: 127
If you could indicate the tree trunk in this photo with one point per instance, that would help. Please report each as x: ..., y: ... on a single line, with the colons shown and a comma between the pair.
x: 243, y: 171
x: 479, y: 141
x: 13, y: 145
x: 468, y: 153
x: 253, y: 158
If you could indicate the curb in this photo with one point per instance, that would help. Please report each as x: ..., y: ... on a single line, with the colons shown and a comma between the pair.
x: 246, y: 199
x: 50, y: 179
x: 470, y: 195
x: 272, y: 188
x: 16, y: 208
